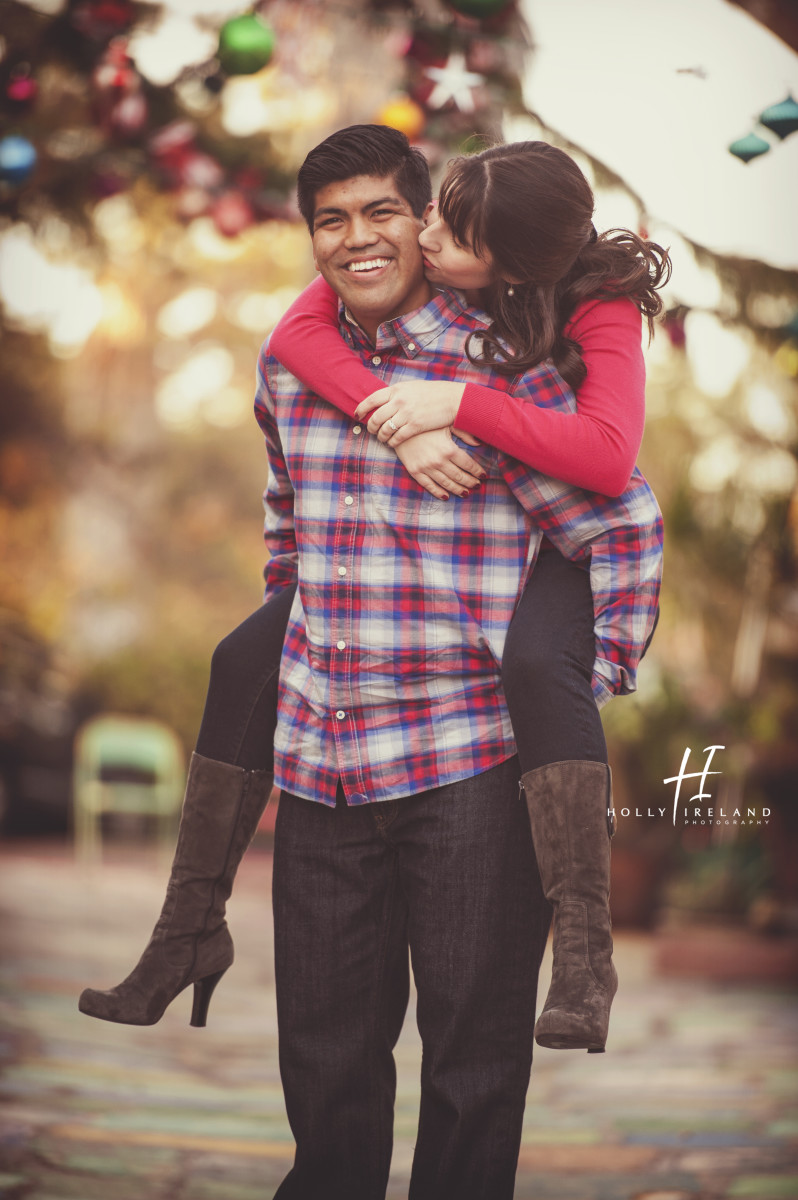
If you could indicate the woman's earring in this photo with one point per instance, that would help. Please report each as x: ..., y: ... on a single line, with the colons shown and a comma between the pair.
x: 510, y: 290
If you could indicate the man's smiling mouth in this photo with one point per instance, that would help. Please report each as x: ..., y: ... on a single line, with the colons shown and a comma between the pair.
x: 367, y: 264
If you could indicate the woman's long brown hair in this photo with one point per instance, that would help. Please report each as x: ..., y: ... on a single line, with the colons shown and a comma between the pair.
x: 530, y: 207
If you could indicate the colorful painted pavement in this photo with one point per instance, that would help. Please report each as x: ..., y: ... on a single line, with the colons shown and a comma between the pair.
x: 697, y: 1096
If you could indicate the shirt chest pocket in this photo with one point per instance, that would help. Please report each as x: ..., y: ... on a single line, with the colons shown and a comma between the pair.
x: 393, y: 493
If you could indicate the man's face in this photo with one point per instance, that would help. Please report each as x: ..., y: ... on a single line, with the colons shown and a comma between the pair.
x: 365, y: 244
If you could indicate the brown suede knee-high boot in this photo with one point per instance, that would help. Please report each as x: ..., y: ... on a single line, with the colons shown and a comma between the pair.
x: 191, y: 942
x: 568, y: 806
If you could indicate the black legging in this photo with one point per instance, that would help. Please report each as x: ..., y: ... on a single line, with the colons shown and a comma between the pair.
x: 546, y: 673
x: 547, y: 667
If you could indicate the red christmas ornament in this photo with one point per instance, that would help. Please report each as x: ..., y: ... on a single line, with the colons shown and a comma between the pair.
x: 170, y: 148
x: 129, y: 115
x: 100, y: 20
x: 248, y: 179
x: 22, y: 88
x: 428, y: 49
x: 232, y: 214
x: 170, y: 145
x: 114, y: 74
x: 199, y: 170
x: 119, y: 108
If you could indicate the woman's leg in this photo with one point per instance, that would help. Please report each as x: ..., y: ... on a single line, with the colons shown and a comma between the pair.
x: 547, y: 671
x: 241, y: 706
x: 229, y: 783
x: 548, y: 667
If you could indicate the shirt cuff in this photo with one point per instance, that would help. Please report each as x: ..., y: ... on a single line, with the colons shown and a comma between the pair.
x: 606, y: 682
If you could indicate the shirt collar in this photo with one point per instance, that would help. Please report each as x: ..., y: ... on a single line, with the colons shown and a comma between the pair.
x: 415, y: 330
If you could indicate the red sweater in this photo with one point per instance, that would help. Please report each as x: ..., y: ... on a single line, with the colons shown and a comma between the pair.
x: 594, y: 448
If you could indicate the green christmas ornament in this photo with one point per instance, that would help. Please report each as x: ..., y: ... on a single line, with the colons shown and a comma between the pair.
x: 748, y: 147
x: 781, y: 119
x: 246, y: 44
x: 481, y: 9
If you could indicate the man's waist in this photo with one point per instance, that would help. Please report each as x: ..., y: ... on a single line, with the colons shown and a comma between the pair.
x: 387, y: 751
x: 323, y: 783
x: 460, y: 664
x: 420, y: 680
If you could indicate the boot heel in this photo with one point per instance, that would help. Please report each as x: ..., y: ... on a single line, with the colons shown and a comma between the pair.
x: 595, y: 1049
x: 203, y: 990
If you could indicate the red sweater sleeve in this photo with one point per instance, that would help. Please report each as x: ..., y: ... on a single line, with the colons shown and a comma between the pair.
x: 595, y: 448
x: 307, y: 341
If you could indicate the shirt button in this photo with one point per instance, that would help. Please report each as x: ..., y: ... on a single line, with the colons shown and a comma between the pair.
x: 348, y: 500
x: 340, y: 714
x: 376, y: 360
x: 411, y: 345
x: 342, y: 570
x: 357, y: 429
x: 341, y: 645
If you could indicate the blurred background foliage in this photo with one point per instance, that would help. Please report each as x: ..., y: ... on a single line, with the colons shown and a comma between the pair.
x: 149, y: 241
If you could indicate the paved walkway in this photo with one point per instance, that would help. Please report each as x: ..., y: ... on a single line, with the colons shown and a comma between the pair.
x: 697, y: 1096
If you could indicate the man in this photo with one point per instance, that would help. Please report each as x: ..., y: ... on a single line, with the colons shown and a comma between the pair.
x: 401, y: 823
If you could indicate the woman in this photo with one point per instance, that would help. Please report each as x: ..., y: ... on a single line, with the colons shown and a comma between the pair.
x: 515, y: 227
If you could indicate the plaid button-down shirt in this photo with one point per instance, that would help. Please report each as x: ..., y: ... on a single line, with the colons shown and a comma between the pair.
x: 390, y: 675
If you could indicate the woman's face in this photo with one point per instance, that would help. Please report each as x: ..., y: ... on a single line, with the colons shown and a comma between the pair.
x: 448, y: 263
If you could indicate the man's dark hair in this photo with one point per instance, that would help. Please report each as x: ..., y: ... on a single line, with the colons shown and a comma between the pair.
x: 364, y: 150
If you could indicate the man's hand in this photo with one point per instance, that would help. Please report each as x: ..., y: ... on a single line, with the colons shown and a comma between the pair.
x: 440, y: 466
x: 403, y: 410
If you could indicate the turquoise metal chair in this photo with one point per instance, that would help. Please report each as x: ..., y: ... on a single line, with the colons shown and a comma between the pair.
x: 126, y: 765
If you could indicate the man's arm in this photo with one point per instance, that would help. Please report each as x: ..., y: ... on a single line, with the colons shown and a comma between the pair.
x: 594, y: 447
x: 307, y: 340
x: 278, y: 500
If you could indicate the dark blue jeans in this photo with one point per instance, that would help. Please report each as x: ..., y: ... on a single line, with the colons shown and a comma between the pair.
x: 451, y: 874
